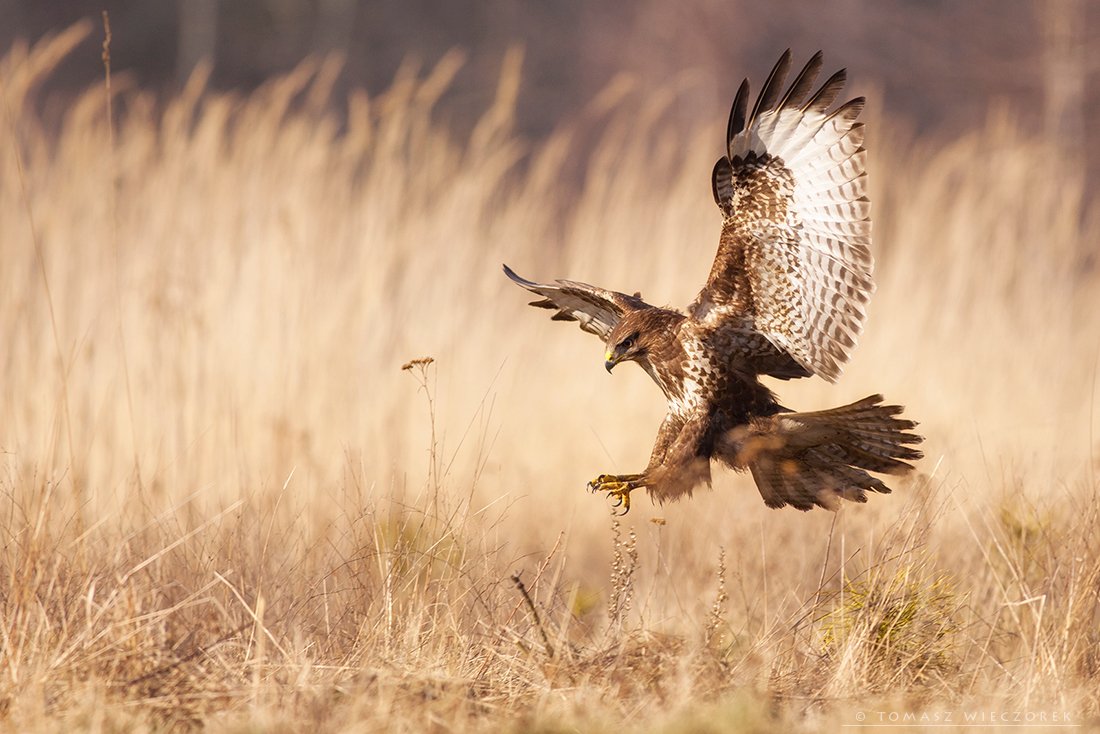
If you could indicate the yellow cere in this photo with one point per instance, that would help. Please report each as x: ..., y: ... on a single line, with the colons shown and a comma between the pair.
x: 607, y: 356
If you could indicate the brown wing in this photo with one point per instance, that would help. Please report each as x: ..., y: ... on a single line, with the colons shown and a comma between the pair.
x: 679, y: 462
x: 793, y: 258
x: 596, y: 310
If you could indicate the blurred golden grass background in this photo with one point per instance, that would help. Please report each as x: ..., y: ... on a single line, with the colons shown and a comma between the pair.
x: 225, y: 503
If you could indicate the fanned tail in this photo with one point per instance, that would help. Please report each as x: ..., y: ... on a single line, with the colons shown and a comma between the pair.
x: 819, y: 458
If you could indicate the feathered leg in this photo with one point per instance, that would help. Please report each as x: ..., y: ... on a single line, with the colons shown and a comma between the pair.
x: 677, y: 465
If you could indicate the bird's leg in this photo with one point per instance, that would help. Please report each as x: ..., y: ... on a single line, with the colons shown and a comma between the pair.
x: 618, y: 486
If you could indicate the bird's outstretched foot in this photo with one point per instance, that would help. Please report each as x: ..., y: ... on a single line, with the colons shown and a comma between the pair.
x: 617, y: 486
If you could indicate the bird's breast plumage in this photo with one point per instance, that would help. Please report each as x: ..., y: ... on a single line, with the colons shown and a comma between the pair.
x: 715, y: 373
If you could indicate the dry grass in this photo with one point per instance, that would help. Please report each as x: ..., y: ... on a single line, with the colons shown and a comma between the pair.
x: 224, y: 502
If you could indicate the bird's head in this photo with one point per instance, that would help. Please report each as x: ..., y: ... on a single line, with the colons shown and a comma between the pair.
x: 627, y: 341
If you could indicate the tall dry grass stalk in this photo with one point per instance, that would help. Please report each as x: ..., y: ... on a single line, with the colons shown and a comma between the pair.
x: 225, y: 502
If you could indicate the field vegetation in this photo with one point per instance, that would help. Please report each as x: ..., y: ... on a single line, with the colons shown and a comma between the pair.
x: 234, y: 495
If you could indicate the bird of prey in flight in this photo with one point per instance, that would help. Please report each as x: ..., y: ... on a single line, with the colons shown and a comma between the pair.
x: 786, y: 298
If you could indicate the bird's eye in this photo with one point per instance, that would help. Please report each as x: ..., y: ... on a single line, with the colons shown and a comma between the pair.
x: 628, y: 342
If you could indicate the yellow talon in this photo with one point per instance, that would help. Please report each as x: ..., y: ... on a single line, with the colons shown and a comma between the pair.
x: 597, y: 484
x: 621, y: 493
x: 618, y: 487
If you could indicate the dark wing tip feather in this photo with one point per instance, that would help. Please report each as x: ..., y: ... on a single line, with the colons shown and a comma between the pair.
x: 518, y: 279
x: 738, y: 113
x: 801, y: 85
x: 850, y: 110
x: 828, y: 92
x: 773, y: 87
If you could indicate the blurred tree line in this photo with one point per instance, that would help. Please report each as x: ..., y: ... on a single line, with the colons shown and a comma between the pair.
x: 939, y: 64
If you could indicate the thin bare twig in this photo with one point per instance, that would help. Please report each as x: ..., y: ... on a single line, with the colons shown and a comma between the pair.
x: 534, y: 613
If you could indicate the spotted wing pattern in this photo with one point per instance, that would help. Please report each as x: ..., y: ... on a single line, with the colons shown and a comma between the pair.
x: 793, y: 257
x: 596, y: 310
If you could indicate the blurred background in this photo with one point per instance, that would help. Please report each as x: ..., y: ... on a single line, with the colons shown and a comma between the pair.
x: 935, y: 64
x: 212, y: 276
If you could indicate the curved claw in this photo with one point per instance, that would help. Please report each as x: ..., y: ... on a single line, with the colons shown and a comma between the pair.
x: 621, y: 494
x: 618, y: 487
x: 596, y: 484
x: 622, y: 499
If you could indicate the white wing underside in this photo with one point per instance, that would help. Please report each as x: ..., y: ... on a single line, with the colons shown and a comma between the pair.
x: 811, y: 263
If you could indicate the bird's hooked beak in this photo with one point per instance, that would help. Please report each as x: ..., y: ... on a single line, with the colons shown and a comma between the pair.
x: 609, y: 361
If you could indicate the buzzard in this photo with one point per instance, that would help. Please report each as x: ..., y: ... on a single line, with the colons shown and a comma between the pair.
x: 786, y: 298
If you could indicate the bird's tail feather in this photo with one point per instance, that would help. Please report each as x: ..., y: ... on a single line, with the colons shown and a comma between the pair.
x: 818, y: 458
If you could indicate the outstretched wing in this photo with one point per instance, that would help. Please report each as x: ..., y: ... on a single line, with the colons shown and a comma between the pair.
x: 595, y: 309
x: 794, y: 257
